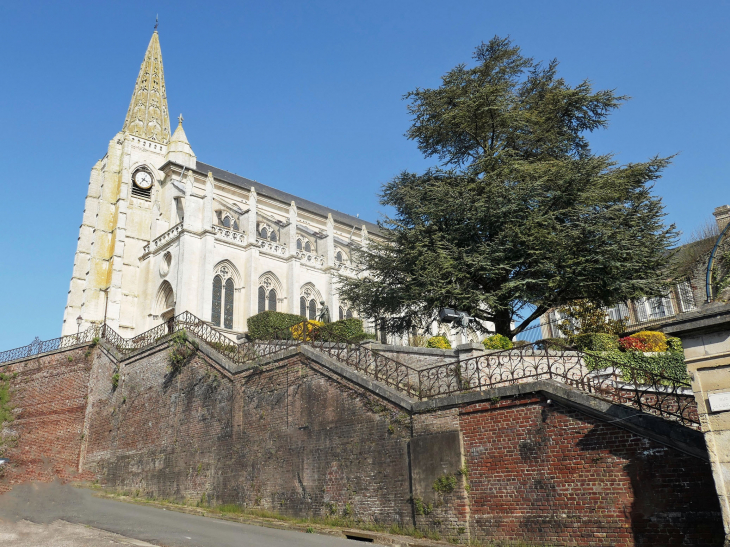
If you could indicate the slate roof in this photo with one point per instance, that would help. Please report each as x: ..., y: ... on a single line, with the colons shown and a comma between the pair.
x: 285, y: 197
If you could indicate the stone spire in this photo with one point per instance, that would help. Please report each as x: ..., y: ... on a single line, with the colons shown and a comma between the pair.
x: 147, y: 116
x: 179, y: 149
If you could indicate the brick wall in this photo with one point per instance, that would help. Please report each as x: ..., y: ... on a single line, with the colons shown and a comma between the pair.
x: 553, y: 474
x: 44, y: 440
x: 295, y: 437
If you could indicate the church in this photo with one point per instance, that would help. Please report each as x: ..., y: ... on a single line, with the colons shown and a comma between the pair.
x: 163, y: 233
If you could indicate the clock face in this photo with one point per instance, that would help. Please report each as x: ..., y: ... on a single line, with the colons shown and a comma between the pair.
x: 143, y: 179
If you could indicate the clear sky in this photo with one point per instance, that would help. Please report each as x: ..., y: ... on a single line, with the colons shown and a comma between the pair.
x: 307, y: 97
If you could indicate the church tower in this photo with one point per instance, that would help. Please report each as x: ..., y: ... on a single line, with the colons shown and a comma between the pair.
x: 121, y: 203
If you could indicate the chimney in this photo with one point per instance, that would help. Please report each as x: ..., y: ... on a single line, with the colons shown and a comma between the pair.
x: 722, y: 216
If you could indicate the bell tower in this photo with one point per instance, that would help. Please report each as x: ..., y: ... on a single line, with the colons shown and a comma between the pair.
x: 123, y: 195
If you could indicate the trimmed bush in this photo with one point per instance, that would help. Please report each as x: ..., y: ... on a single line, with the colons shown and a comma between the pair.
x: 497, y: 341
x: 596, y: 342
x: 555, y: 344
x: 674, y: 345
x: 653, y: 340
x: 640, y: 369
x: 344, y: 330
x: 631, y: 343
x: 438, y: 342
x: 272, y: 324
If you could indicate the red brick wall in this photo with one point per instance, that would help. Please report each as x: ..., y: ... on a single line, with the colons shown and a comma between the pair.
x: 49, y: 399
x: 552, y: 474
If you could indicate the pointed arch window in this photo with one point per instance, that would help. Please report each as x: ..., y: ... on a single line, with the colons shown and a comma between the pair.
x: 299, y: 244
x: 228, y: 305
x: 341, y: 315
x: 272, y: 300
x: 273, y: 236
x: 308, y: 247
x: 348, y: 315
x: 262, y: 299
x: 338, y: 256
x: 235, y: 226
x: 264, y: 233
x: 303, y: 306
x: 227, y: 222
x: 217, y: 294
x: 312, y: 309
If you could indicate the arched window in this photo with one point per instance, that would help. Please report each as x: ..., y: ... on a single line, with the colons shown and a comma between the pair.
x: 273, y: 236
x: 303, y: 306
x: 342, y: 314
x: 228, y: 305
x: 338, y: 256
x: 299, y: 244
x: 349, y: 314
x: 235, y: 225
x: 227, y: 222
x: 272, y: 300
x: 312, y: 309
x: 217, y: 295
x: 308, y: 247
x: 262, y: 299
x: 264, y: 233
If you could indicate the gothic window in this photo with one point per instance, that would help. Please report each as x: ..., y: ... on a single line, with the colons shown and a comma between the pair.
x: 303, y: 306
x: 217, y: 294
x: 341, y: 315
x: 338, y: 256
x: 235, y: 225
x: 349, y: 314
x: 228, y: 305
x: 299, y: 244
x: 308, y: 247
x: 273, y: 236
x: 264, y: 233
x: 272, y: 300
x: 227, y: 222
x: 312, y: 309
x: 262, y: 299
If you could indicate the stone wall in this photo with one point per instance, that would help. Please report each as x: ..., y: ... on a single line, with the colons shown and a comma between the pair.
x: 303, y: 435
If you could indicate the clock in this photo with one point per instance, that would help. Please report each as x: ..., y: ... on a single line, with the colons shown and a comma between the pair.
x: 143, y: 180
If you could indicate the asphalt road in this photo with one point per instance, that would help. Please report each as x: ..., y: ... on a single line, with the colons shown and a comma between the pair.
x: 46, y: 503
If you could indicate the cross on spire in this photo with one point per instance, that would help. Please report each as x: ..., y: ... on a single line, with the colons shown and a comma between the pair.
x: 180, y: 119
x: 157, y: 21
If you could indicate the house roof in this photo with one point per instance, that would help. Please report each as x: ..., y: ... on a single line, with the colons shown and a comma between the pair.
x: 284, y: 197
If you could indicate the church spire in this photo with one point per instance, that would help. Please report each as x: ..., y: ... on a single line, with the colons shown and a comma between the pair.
x: 147, y: 116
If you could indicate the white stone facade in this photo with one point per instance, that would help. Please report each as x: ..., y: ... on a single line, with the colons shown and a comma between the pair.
x: 199, y: 239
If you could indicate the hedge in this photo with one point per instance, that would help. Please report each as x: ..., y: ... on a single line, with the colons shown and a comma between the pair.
x: 497, y: 341
x: 272, y: 324
x: 633, y: 363
x: 653, y: 340
x: 438, y: 342
x: 596, y: 342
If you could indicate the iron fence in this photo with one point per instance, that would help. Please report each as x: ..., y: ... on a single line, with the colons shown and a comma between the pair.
x: 598, y: 375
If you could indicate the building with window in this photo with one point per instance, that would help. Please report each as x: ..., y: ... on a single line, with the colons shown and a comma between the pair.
x: 164, y: 233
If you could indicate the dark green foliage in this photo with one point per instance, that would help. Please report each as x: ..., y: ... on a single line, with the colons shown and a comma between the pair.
x: 115, y: 380
x: 554, y: 344
x: 596, y: 342
x: 445, y: 484
x: 272, y: 324
x: 180, y: 350
x: 520, y: 215
x: 344, y: 330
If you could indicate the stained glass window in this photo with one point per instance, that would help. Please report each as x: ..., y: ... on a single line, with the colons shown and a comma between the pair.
x: 228, y: 305
x: 273, y: 236
x: 299, y: 244
x: 264, y: 233
x: 303, y: 306
x: 217, y: 290
x: 227, y: 222
x: 312, y: 309
x: 235, y: 225
x: 262, y: 299
x: 272, y: 300
x: 342, y: 315
x: 308, y: 247
x: 349, y: 314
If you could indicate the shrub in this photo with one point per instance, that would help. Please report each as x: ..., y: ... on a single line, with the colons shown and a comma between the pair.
x: 642, y: 369
x: 298, y: 333
x: 653, y: 340
x: 179, y: 350
x: 344, y: 330
x: 497, y: 341
x: 271, y: 324
x: 674, y: 344
x: 555, y: 344
x: 631, y: 343
x: 439, y: 342
x: 596, y: 342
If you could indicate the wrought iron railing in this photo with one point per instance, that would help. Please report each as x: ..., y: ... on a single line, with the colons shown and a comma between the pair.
x: 637, y: 387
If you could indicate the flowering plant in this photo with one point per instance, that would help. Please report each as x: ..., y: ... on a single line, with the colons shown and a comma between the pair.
x: 631, y: 343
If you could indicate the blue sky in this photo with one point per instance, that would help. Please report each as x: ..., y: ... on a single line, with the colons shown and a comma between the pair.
x: 307, y: 97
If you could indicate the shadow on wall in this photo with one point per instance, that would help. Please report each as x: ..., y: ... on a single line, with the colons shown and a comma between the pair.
x: 672, y: 497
